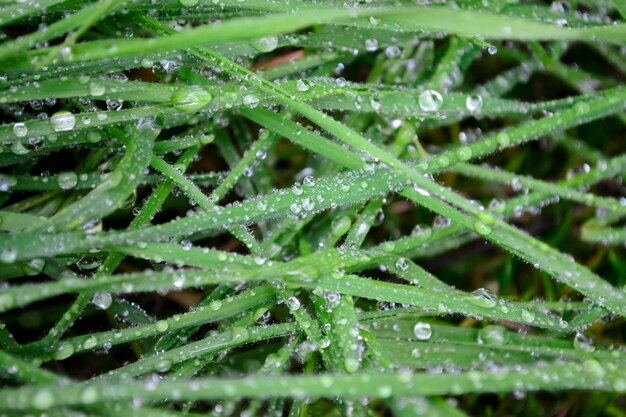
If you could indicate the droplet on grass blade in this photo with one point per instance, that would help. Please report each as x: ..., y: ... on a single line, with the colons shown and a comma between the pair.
x: 474, y: 103
x: 430, y: 100
x: 102, y: 300
x: 484, y: 298
x: 20, y: 130
x: 63, y: 121
x: 422, y: 331
x: 266, y: 44
x: 67, y: 180
x: 191, y: 99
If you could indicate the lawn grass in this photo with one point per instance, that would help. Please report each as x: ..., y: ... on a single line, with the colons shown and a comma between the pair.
x: 297, y: 208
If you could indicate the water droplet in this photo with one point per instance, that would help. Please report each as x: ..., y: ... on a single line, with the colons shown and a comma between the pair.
x: 384, y: 391
x: 422, y: 331
x: 240, y: 333
x: 64, y: 351
x: 6, y: 301
x: 484, y: 298
x: 162, y: 326
x: 371, y: 45
x: 293, y: 303
x: 33, y: 267
x: 90, y: 342
x: 393, y: 51
x: 96, y: 88
x: 20, y: 130
x: 43, y: 399
x: 215, y: 305
x: 191, y: 99
x: 102, y: 300
x: 295, y: 208
x: 341, y: 225
x: 93, y: 136
x: 308, y: 204
x: 430, y: 100
x: 503, y: 139
x: 267, y: 44
x: 619, y: 385
x: 528, y: 316
x: 303, y: 85
x: 422, y: 231
x: 63, y: 121
x: 497, y: 205
x: 402, y: 264
x: 492, y: 335
x: 482, y: 229
x: 583, y: 343
x: 464, y: 153
x: 67, y: 180
x: 89, y: 395
x: 163, y: 365
x: 8, y: 256
x: 250, y: 100
x: 593, y: 370
x: 492, y: 50
x: 474, y: 103
x: 18, y: 148
x: 351, y: 365
x: 6, y: 182
x: 440, y: 222
x: 188, y: 3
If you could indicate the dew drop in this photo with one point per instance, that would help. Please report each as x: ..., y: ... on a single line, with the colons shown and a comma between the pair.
x: 267, y: 44
x: 593, y: 370
x: 482, y: 229
x: 464, y: 153
x: 102, y: 300
x: 67, y: 180
x: 528, y: 316
x: 503, y: 139
x: 191, y: 99
x: 351, y: 365
x: 402, y: 264
x: 250, y: 100
x: 340, y: 226
x: 430, y: 100
x: 303, y: 85
x: 43, y: 399
x: 162, y: 326
x: 64, y: 351
x: 492, y: 335
x: 474, y: 103
x: 90, y: 342
x: 484, y: 298
x: 20, y: 130
x: 371, y: 45
x: 6, y: 301
x: 8, y: 256
x: 422, y: 331
x: 63, y: 121
x: 96, y: 88
x: 583, y: 343
x: 293, y: 303
x: 89, y: 395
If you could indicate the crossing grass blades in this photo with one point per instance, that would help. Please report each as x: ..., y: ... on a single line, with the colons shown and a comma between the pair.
x: 298, y: 208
